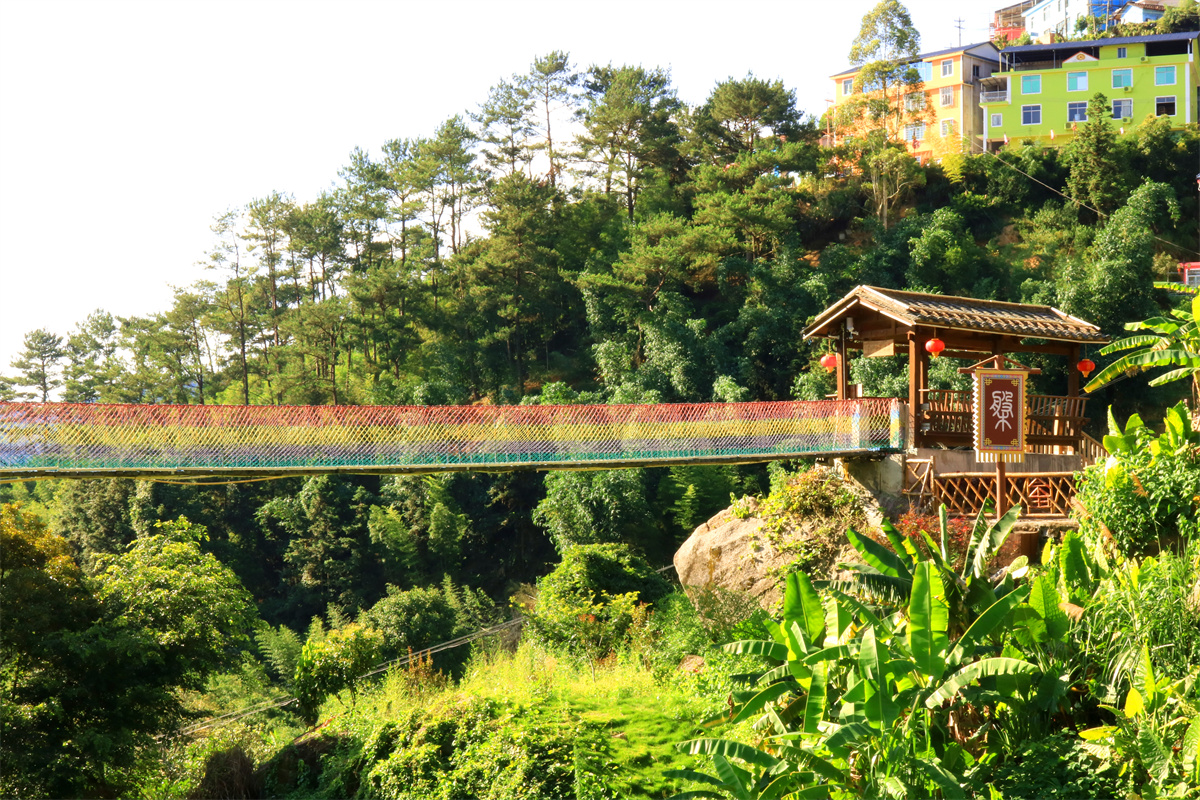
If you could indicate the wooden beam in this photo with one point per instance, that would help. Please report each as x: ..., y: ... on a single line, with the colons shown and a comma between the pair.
x: 1001, y: 490
x: 960, y: 341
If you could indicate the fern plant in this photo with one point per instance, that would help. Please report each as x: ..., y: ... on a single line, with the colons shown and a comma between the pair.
x: 280, y: 648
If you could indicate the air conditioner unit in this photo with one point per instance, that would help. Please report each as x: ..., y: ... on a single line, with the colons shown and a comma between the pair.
x: 1144, y: 58
x: 1128, y: 89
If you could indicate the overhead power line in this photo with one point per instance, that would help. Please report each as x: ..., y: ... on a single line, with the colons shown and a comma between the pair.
x: 234, y: 716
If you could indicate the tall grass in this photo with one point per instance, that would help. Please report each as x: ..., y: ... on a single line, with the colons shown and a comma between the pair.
x: 1154, y: 601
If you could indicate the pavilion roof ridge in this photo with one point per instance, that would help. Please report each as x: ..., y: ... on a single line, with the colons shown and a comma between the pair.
x: 1019, y: 320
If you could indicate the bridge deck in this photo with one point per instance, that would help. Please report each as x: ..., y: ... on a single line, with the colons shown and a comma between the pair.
x: 149, y: 441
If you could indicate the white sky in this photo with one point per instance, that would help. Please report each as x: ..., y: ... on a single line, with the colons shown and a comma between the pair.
x: 125, y: 127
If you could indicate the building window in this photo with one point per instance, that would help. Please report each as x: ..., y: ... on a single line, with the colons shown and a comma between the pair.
x: 1122, y: 52
x: 914, y: 133
x: 997, y: 120
x: 1076, y: 112
x: 1122, y: 78
x: 924, y: 70
x: 1164, y: 76
x: 914, y: 101
x: 1031, y: 84
x: 947, y: 95
x: 1122, y: 109
x: 947, y: 127
x: 1164, y: 106
x: 1077, y: 81
x: 974, y: 70
x: 947, y: 67
x: 1031, y: 115
x: 848, y: 86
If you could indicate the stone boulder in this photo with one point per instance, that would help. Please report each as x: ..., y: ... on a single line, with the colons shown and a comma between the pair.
x: 727, y: 552
x: 732, y: 551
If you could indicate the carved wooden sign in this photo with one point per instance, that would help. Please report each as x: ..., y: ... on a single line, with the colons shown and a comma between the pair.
x: 1000, y: 415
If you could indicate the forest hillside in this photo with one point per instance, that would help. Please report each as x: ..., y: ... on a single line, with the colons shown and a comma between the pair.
x: 579, y: 236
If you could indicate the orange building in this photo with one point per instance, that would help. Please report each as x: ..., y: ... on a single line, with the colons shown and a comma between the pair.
x: 942, y: 116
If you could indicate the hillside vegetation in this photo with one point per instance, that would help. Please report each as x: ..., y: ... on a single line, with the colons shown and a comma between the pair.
x: 645, y: 252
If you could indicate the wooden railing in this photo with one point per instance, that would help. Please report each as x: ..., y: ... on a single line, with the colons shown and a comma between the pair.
x: 1040, y: 494
x: 1093, y: 452
x: 1051, y: 423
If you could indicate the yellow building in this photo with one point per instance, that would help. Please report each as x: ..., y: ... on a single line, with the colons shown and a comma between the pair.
x: 943, y: 116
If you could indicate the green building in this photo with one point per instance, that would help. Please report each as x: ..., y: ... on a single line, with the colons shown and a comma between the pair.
x: 1042, y: 90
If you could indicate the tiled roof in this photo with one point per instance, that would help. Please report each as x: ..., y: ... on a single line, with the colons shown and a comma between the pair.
x: 966, y: 314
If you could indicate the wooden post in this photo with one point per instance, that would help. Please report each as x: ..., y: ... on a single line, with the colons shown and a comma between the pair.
x: 914, y: 396
x: 1001, y: 490
x: 843, y: 370
x: 1073, y: 373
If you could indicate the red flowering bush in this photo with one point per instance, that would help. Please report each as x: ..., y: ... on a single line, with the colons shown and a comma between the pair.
x: 958, y: 533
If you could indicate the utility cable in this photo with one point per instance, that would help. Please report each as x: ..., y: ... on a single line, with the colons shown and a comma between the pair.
x: 234, y: 716
x: 1097, y: 212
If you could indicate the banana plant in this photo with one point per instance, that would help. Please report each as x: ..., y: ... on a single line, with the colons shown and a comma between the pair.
x: 1157, y: 732
x: 885, y: 577
x: 1172, y: 341
x: 860, y: 703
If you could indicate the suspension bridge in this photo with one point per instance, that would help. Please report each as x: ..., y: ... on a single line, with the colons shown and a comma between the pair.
x: 63, y: 440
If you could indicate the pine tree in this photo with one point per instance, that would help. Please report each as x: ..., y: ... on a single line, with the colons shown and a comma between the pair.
x: 1096, y: 178
x: 38, y: 364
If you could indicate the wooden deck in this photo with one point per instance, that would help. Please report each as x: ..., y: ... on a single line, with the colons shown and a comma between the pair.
x: 1053, y: 426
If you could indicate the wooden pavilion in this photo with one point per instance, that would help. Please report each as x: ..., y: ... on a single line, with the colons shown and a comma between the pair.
x: 887, y: 322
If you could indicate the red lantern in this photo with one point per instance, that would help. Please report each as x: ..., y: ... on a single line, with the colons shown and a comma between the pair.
x: 1086, y: 366
x: 829, y: 361
x: 935, y: 346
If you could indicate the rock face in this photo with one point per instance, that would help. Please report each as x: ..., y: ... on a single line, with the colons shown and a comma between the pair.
x: 726, y: 552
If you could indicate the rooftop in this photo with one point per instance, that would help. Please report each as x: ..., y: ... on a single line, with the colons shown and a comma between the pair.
x: 961, y: 313
x: 1079, y: 44
x: 925, y: 56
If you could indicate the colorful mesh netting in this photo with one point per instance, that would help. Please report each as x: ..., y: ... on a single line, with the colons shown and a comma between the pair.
x: 66, y: 439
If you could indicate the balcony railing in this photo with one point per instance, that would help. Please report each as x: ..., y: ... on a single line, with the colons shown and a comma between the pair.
x: 1052, y: 422
x: 994, y: 97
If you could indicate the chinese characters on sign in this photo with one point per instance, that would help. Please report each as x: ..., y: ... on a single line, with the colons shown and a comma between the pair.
x: 1000, y: 415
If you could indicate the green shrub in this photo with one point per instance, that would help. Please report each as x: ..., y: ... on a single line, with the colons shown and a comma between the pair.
x: 416, y: 619
x: 412, y: 619
x: 805, y: 515
x: 1148, y: 490
x: 333, y: 663
x: 1057, y: 767
x: 588, y: 570
x: 484, y: 749
x: 590, y: 600
x: 693, y: 623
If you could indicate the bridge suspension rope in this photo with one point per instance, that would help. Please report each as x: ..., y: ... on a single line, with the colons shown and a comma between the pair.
x: 162, y: 441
